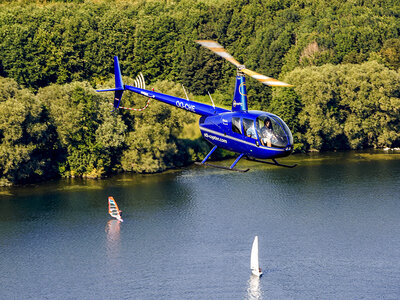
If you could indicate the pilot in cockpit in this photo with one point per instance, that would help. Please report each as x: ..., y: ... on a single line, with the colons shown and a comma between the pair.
x: 267, y: 133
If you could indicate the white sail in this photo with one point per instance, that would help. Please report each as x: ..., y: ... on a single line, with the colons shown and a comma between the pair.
x: 254, y: 265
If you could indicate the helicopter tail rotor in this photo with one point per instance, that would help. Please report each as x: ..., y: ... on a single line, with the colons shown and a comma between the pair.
x: 139, y: 81
x: 219, y: 50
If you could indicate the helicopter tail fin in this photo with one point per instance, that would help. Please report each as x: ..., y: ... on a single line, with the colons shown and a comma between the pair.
x: 119, y: 85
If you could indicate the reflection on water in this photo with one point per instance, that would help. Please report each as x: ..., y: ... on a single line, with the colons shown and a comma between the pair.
x: 113, y: 238
x: 253, y: 288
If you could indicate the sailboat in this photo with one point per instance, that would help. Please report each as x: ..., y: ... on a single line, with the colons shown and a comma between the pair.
x: 254, y: 265
x: 113, y: 209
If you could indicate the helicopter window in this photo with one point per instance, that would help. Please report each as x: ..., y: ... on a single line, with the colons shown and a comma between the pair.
x: 287, y: 130
x: 248, y: 125
x: 271, y: 132
x: 236, y: 126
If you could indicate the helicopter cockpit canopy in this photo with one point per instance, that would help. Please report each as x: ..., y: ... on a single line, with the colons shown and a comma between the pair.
x: 273, y: 132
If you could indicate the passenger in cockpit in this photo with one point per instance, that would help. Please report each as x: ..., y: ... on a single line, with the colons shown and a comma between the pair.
x: 267, y: 133
x: 251, y: 132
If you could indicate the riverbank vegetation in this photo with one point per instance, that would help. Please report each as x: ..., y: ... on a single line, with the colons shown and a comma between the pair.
x: 343, y: 59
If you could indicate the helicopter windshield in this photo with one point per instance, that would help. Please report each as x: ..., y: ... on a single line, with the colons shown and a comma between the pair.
x: 273, y: 132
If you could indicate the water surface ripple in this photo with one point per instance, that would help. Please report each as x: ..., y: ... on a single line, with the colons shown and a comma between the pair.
x: 328, y: 229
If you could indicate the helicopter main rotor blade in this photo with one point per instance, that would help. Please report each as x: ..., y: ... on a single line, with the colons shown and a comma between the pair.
x: 219, y: 50
x: 265, y: 79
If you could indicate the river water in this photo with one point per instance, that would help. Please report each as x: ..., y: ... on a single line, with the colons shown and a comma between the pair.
x: 328, y: 229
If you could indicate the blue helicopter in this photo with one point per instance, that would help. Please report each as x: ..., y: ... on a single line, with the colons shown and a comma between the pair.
x: 253, y: 134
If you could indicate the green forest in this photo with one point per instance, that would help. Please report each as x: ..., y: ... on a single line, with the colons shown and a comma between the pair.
x: 343, y: 58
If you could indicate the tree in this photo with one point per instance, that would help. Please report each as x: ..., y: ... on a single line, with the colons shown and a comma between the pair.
x: 348, y: 106
x: 153, y: 144
x: 27, y: 137
x: 90, y: 138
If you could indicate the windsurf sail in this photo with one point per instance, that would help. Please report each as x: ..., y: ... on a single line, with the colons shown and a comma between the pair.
x: 254, y: 265
x: 113, y: 209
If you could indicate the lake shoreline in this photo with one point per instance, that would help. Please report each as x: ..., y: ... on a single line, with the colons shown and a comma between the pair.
x: 386, y: 153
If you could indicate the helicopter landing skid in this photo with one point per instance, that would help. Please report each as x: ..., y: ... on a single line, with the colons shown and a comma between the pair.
x: 231, y: 168
x: 221, y: 167
x: 275, y: 163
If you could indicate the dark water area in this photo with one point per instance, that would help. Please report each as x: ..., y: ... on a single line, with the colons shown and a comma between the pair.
x: 328, y: 229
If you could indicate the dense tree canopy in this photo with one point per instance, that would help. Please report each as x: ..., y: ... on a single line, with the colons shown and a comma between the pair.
x: 27, y: 136
x: 342, y: 57
x: 347, y: 106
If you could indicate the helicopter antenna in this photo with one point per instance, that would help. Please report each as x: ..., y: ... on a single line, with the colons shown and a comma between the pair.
x: 187, y: 98
x: 211, y: 99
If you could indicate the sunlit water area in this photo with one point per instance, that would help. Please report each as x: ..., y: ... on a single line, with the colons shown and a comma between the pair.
x: 328, y: 229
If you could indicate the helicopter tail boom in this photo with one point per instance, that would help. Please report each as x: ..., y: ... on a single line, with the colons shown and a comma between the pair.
x: 191, y: 106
